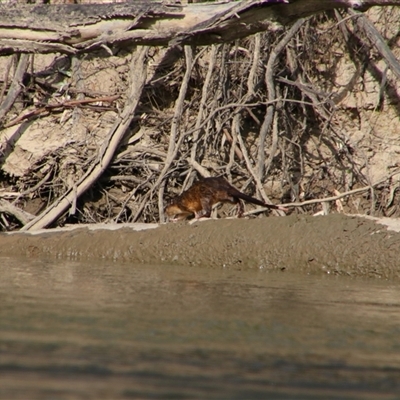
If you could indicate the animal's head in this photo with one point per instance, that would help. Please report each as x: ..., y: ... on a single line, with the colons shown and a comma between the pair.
x: 176, y: 213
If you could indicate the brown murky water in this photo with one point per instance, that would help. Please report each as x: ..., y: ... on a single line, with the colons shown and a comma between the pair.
x: 113, y: 331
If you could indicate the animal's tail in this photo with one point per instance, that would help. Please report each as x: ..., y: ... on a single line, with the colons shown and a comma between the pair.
x: 253, y: 200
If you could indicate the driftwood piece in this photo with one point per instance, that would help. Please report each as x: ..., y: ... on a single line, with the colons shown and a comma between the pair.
x: 73, y: 29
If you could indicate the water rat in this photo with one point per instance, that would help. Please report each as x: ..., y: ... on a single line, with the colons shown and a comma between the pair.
x: 199, y: 199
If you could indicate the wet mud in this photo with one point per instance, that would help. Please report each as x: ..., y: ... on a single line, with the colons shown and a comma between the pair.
x: 334, y: 244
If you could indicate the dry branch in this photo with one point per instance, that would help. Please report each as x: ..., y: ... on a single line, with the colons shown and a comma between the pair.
x: 72, y: 29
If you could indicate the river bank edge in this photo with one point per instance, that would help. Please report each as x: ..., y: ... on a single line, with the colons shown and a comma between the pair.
x: 351, y: 245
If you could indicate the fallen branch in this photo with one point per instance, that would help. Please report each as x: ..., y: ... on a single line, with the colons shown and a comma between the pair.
x: 78, y: 28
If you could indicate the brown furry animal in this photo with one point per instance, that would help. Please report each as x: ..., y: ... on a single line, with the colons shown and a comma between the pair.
x: 199, y: 199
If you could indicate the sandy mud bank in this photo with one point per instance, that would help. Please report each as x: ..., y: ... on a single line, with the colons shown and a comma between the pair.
x: 335, y: 244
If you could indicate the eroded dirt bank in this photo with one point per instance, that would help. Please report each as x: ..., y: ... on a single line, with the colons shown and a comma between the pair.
x: 336, y: 244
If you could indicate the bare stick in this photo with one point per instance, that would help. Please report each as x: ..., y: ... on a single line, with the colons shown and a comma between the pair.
x: 249, y: 167
x: 274, y: 145
x: 378, y: 41
x: 201, y: 170
x: 16, y: 85
x: 269, y: 80
x: 234, y: 146
x: 160, y: 200
x: 6, y: 76
x: 251, y: 80
x: 203, y: 101
x: 173, y: 144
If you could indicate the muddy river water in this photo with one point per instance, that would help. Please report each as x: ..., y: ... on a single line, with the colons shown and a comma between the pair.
x: 96, y: 330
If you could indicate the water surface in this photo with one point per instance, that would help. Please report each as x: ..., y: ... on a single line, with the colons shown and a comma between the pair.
x: 111, y: 331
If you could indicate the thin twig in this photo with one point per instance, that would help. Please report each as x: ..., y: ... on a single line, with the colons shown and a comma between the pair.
x: 59, y: 107
x: 37, y: 186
